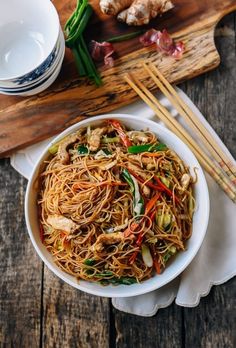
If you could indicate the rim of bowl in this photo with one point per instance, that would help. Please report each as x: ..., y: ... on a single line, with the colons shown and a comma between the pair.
x: 60, y: 51
x: 34, y: 86
x: 130, y: 291
x: 55, y: 14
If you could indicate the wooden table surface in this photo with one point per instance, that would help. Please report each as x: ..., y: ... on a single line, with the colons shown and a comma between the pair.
x: 39, y: 310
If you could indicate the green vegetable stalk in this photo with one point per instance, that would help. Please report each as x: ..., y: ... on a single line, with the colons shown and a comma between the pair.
x: 147, y: 148
x: 74, y: 29
x: 138, y: 203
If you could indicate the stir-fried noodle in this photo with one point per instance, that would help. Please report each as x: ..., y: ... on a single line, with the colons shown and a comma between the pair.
x: 115, y: 205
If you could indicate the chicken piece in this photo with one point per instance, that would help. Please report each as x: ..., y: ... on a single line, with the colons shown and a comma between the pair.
x: 151, y: 162
x: 146, y: 191
x: 59, y: 222
x: 185, y: 181
x: 113, y: 7
x: 142, y: 11
x: 136, y: 136
x: 107, y: 239
x: 62, y: 152
x: 94, y: 138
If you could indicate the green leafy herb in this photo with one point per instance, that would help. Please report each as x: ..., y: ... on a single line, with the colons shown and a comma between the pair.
x: 89, y: 262
x: 119, y: 281
x: 104, y: 274
x: 82, y: 150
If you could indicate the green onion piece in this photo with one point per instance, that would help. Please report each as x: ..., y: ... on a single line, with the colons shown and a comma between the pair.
x: 139, y: 148
x: 159, y: 147
x: 110, y: 140
x: 71, y: 28
x: 104, y: 274
x: 166, y: 220
x: 165, y: 181
x: 82, y: 150
x: 119, y: 281
x: 107, y: 152
x: 78, y: 62
x: 125, y: 37
x: 172, y: 250
x: 88, y: 62
x: 146, y: 148
x: 72, y: 18
x: 89, y: 262
x: 53, y: 149
x: 166, y: 257
x: 123, y: 280
x: 71, y: 39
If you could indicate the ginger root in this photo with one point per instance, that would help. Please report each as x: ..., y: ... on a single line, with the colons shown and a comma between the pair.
x: 135, y: 12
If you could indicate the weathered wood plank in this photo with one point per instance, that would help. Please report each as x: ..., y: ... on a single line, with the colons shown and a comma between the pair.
x: 72, y: 318
x: 20, y: 267
x: 212, y: 323
x: 214, y: 93
x: 30, y: 120
x: 162, y: 331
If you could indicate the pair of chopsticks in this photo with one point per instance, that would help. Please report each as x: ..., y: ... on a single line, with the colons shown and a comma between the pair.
x: 218, y: 165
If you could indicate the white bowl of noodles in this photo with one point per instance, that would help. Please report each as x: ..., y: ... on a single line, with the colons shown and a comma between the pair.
x: 177, y: 264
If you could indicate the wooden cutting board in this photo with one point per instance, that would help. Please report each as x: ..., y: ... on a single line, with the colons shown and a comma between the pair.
x: 25, y: 121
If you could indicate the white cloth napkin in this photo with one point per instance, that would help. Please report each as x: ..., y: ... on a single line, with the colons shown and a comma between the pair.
x: 215, y: 262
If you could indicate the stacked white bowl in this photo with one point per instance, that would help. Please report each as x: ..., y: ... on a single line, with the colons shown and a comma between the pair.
x: 32, y: 46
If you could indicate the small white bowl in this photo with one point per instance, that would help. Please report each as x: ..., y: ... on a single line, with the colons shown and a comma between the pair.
x: 29, y: 31
x: 29, y: 80
x: 182, y: 259
x: 44, y: 81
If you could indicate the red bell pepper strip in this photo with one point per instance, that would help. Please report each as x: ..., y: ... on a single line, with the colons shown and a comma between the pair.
x: 129, y: 230
x: 166, y: 189
x: 151, y: 203
x: 152, y: 215
x: 148, y: 208
x: 133, y: 257
x: 147, y: 183
x: 122, y: 134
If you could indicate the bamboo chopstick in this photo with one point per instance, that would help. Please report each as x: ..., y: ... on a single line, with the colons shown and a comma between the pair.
x: 192, y: 120
x: 173, y: 125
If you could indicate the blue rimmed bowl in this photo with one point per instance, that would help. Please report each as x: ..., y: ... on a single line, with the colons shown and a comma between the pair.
x: 29, y: 35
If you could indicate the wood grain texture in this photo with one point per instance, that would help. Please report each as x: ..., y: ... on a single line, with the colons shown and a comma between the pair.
x: 213, y: 312
x: 72, y: 318
x: 26, y: 121
x: 163, y: 330
x: 38, y: 311
x: 20, y: 268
